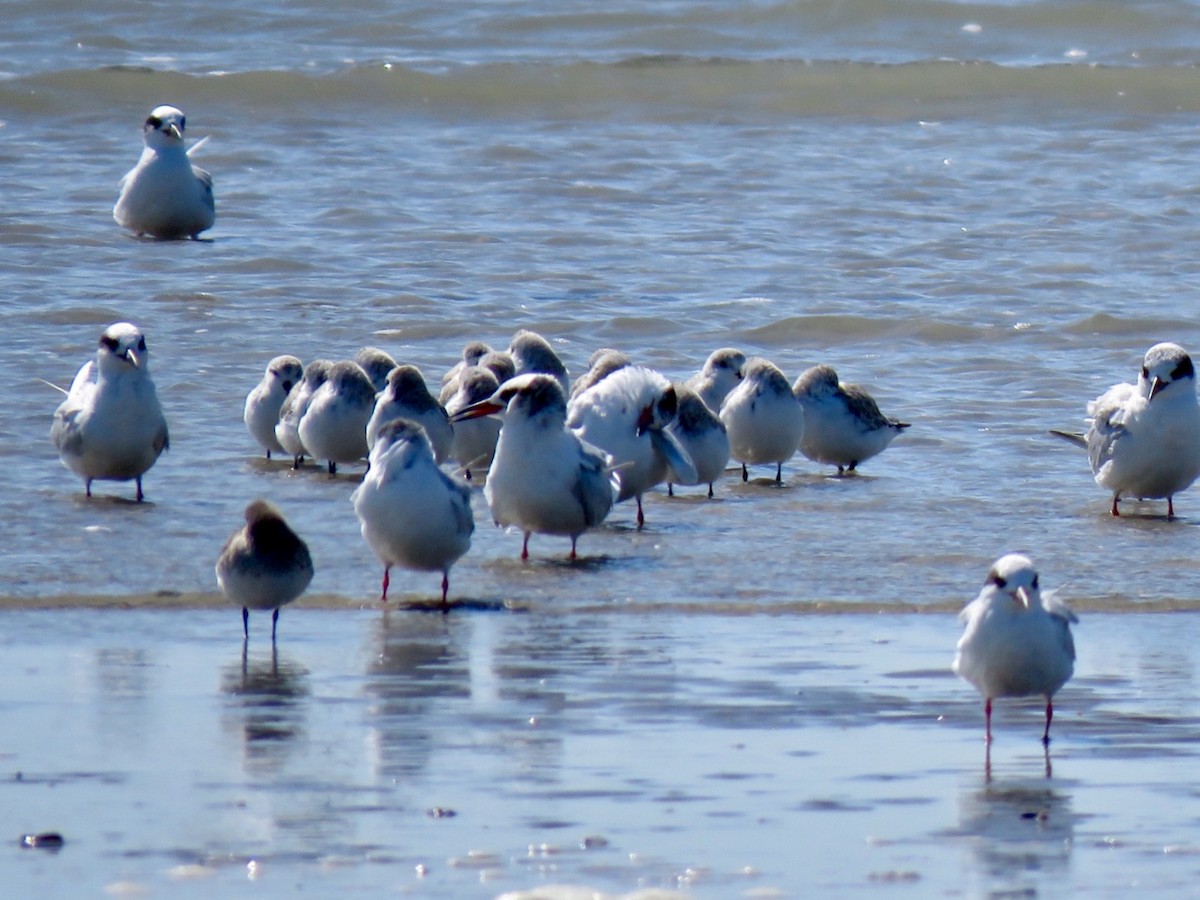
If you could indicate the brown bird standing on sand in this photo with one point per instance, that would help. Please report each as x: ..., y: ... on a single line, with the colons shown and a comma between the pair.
x: 263, y: 565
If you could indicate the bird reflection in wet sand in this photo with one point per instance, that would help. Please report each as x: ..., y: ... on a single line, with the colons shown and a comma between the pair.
x: 264, y: 699
x: 1018, y: 829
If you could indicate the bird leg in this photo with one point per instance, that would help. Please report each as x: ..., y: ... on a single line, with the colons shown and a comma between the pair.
x: 274, y: 622
x: 332, y: 468
x: 670, y: 490
x: 140, y: 495
x: 1116, y: 500
x: 779, y: 474
x: 386, y: 581
x: 245, y: 623
x: 1049, y: 716
x: 525, y: 547
x: 987, y: 718
x: 445, y: 591
x: 572, y: 557
x: 710, y: 491
x: 745, y: 474
x: 1170, y: 507
x: 641, y: 518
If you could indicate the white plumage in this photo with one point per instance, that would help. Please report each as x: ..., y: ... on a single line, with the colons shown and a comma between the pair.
x: 842, y: 422
x: 265, y: 400
x: 1144, y: 438
x: 164, y: 195
x: 405, y: 396
x: 474, y: 444
x: 287, y: 429
x: 111, y: 426
x: 703, y: 437
x: 412, y: 513
x: 334, y: 426
x: 626, y: 415
x: 721, y: 373
x: 763, y: 417
x: 543, y: 479
x: 1017, y: 641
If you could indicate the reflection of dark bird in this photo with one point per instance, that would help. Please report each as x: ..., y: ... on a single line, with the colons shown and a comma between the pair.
x: 263, y: 565
x: 264, y: 697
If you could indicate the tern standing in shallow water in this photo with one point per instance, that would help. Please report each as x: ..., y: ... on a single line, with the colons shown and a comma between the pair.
x: 842, y: 422
x: 111, y: 426
x: 164, y: 195
x: 1017, y: 642
x: 412, y: 513
x: 263, y: 565
x: 1144, y: 438
x: 543, y: 478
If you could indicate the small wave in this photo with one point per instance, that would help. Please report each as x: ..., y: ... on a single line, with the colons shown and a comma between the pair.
x: 667, y: 88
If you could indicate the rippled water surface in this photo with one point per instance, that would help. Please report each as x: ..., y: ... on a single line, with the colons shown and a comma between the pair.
x: 983, y: 213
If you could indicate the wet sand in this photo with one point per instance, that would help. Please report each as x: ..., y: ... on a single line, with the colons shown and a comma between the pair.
x: 629, y: 752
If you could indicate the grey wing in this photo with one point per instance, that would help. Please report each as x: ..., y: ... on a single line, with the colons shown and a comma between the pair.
x: 1064, y: 632
x: 460, y: 502
x: 594, y: 487
x: 206, y: 182
x: 1103, y: 437
x: 162, y: 440
x: 864, y: 408
x: 65, y: 431
x: 1062, y: 617
x: 1108, y: 413
x: 669, y: 448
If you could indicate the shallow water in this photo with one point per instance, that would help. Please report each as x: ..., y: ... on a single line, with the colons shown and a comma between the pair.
x: 983, y: 213
x: 475, y: 755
